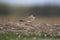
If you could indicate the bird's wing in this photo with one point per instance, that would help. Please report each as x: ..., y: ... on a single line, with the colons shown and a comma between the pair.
x: 30, y: 18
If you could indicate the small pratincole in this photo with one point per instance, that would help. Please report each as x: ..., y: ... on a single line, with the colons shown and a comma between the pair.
x: 28, y: 20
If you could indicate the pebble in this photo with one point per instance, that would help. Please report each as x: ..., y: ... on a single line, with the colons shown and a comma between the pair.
x: 47, y: 28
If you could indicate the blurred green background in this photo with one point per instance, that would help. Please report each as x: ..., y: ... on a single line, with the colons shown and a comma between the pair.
x: 39, y: 11
x: 43, y: 14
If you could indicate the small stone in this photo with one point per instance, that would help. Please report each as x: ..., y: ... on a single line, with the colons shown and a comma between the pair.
x: 12, y: 28
x: 17, y: 24
x: 56, y: 24
x: 58, y: 33
x: 1, y: 27
x: 51, y: 29
x: 17, y: 33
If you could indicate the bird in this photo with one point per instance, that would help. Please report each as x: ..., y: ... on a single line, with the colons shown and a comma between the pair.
x: 28, y: 19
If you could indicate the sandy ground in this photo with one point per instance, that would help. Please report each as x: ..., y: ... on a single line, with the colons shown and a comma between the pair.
x: 55, y: 20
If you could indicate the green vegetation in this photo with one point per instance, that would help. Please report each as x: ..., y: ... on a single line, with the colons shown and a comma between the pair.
x: 13, y: 36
